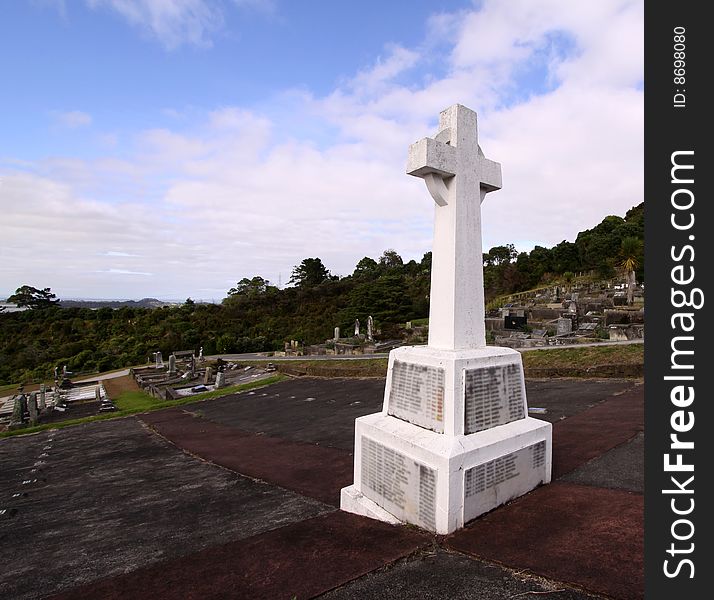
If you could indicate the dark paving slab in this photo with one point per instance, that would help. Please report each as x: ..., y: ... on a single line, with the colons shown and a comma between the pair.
x: 114, y: 497
x: 323, y: 411
x: 564, y: 398
x: 316, y: 471
x: 589, y: 537
x: 620, y: 468
x: 314, y: 410
x: 440, y: 575
x: 298, y: 561
x: 591, y: 433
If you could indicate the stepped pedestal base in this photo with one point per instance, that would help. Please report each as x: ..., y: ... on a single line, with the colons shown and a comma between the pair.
x: 469, y: 447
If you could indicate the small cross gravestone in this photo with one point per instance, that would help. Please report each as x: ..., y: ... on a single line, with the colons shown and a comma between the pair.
x: 454, y: 439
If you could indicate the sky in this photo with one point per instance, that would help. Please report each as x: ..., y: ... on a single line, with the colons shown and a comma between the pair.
x: 170, y: 148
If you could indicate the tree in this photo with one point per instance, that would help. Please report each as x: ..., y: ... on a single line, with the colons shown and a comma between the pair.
x: 630, y: 252
x: 33, y: 298
x: 310, y: 272
x: 390, y: 259
x: 499, y: 255
x: 250, y: 287
x: 367, y: 267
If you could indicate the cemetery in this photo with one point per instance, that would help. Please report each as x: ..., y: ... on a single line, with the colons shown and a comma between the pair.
x: 186, y: 375
x: 453, y: 477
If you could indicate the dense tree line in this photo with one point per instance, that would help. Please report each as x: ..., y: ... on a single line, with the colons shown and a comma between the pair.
x: 257, y: 316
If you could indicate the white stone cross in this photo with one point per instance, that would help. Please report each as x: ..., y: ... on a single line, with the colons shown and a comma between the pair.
x: 458, y: 177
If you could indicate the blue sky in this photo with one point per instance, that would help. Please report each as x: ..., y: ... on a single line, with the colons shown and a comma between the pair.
x: 169, y: 149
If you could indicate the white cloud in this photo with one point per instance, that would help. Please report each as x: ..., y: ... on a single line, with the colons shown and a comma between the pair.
x: 72, y: 119
x: 228, y: 192
x: 173, y: 22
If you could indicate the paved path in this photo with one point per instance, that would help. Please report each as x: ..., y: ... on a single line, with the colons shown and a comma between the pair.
x: 237, y: 497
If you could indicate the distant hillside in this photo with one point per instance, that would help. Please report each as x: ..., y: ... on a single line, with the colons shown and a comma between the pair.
x: 143, y: 303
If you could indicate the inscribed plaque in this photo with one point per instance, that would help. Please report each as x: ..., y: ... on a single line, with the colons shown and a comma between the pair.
x: 492, y: 396
x: 393, y: 481
x: 417, y: 395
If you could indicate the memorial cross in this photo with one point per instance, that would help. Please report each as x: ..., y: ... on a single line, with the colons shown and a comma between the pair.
x: 458, y: 177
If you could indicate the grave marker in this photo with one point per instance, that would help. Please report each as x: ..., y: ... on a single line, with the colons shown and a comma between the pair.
x: 454, y: 439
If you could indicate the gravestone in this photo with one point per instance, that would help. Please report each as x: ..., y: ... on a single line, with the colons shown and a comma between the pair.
x: 172, y: 365
x: 453, y: 439
x: 207, y: 376
x: 159, y: 360
x: 370, y: 328
x: 356, y: 327
x: 564, y: 326
x: 43, y: 400
x: 337, y: 333
x: 17, y: 410
x: 200, y: 353
x: 220, y: 380
x: 32, y: 408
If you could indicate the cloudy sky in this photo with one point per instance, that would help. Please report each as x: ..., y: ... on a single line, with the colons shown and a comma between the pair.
x: 169, y: 148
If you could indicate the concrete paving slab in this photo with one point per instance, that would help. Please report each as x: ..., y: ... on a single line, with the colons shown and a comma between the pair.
x: 586, y: 536
x: 323, y: 411
x: 621, y: 468
x: 316, y: 471
x: 114, y: 497
x: 299, y: 561
x: 438, y: 575
x: 591, y: 433
x: 308, y: 410
x: 564, y: 398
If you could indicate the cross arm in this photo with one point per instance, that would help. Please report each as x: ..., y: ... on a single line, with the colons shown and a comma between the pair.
x: 431, y: 156
x: 490, y: 172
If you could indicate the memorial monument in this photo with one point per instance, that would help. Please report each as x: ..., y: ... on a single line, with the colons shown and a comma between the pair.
x: 453, y: 439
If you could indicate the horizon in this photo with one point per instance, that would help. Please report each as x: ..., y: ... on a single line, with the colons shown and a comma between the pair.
x: 183, y: 146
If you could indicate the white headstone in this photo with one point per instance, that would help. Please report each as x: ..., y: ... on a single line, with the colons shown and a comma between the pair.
x: 370, y: 328
x: 454, y: 439
x: 337, y: 333
x: 172, y: 365
x: 356, y: 327
x: 220, y: 380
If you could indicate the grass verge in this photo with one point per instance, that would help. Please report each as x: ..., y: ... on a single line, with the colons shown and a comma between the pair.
x: 132, y: 402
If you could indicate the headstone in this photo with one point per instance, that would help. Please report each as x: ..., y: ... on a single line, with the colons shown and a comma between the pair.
x: 172, y: 365
x: 17, y: 409
x: 32, y: 408
x: 409, y: 325
x: 337, y: 333
x: 200, y: 353
x: 64, y: 371
x: 43, y: 401
x: 454, y: 439
x: 220, y: 380
x: 370, y: 328
x: 159, y: 360
x: 564, y: 326
x: 56, y: 373
x: 356, y: 327
x: 207, y: 376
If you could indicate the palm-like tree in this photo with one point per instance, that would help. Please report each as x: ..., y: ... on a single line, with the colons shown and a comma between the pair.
x: 630, y: 252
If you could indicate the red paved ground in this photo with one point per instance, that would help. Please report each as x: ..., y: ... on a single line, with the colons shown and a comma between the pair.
x: 315, y: 471
x: 588, y: 536
x: 591, y: 433
x: 297, y: 561
x: 582, y: 535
